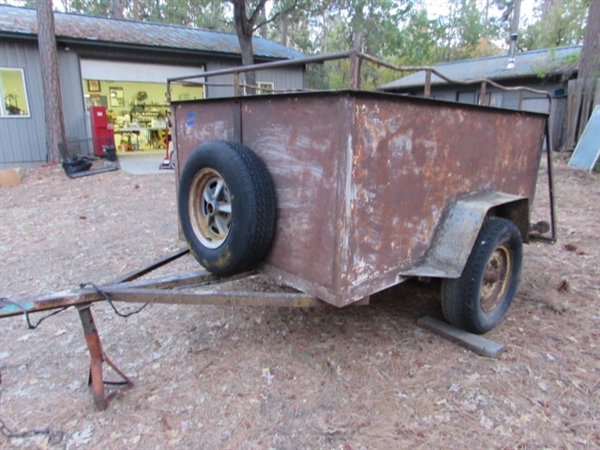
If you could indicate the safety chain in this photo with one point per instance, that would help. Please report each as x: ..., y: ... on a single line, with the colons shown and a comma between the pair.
x: 107, y: 297
x: 26, y: 314
x: 54, y: 437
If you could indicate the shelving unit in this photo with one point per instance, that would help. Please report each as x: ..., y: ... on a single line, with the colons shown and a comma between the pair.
x: 145, y: 114
x: 146, y: 130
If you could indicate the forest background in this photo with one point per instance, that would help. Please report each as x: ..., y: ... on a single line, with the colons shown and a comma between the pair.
x: 404, y: 32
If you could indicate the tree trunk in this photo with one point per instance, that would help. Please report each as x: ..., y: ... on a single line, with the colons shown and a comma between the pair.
x: 136, y: 10
x: 117, y: 9
x: 516, y: 17
x: 55, y: 127
x: 586, y: 91
x: 589, y: 64
x: 284, y: 29
x: 244, y: 28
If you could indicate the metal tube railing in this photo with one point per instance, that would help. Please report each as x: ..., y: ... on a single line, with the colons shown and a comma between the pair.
x: 356, y: 57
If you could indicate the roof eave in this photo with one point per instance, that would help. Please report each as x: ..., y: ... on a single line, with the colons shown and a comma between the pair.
x: 127, y: 46
x: 500, y: 80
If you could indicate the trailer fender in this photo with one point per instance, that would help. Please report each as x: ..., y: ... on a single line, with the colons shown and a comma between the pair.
x: 455, y: 236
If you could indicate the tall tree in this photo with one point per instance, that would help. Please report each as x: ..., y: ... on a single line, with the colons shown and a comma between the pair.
x: 55, y: 128
x: 515, y: 20
x: 103, y: 8
x: 463, y: 33
x: 589, y: 65
x: 117, y: 9
x: 559, y: 23
x: 244, y: 27
x: 248, y: 16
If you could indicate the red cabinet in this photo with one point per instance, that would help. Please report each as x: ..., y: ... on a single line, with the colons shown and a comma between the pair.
x: 102, y: 131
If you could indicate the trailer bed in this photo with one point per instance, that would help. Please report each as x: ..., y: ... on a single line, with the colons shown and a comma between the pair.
x: 365, y: 180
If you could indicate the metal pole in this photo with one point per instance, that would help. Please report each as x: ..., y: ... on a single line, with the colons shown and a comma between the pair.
x: 93, y: 343
x: 428, y: 83
x: 521, y: 100
x: 236, y: 84
x: 550, y: 182
x: 482, y: 93
x: 355, y: 62
x: 98, y: 357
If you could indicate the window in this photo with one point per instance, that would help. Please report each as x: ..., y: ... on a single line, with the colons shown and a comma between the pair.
x: 466, y: 97
x: 117, y: 97
x: 14, y: 102
x: 491, y: 99
x: 265, y: 87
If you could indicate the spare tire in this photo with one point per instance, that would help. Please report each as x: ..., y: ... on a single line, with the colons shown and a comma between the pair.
x: 227, y: 207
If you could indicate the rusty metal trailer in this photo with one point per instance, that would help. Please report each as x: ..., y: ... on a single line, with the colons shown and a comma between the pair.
x: 375, y: 188
x: 339, y: 195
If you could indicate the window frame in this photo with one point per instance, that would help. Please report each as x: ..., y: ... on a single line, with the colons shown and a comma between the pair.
x: 269, y: 86
x: 3, y: 108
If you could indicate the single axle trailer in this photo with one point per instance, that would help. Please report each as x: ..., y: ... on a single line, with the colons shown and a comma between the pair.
x: 339, y: 195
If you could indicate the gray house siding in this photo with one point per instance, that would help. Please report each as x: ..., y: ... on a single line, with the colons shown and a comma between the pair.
x: 504, y: 99
x: 544, y: 70
x: 22, y: 139
x: 219, y: 91
x: 72, y: 95
x: 282, y: 79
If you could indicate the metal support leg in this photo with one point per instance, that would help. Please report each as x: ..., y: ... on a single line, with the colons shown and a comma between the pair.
x: 97, y: 358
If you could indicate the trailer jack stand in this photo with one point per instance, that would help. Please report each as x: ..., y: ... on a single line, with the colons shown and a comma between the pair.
x: 97, y: 358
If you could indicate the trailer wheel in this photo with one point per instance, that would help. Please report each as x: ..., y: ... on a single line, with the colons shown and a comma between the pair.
x: 226, y: 207
x: 173, y: 160
x: 478, y: 300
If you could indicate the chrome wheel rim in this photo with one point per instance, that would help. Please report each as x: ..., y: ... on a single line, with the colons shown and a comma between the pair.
x: 210, y: 208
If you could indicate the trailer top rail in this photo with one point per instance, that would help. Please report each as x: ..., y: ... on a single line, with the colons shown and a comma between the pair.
x: 356, y: 58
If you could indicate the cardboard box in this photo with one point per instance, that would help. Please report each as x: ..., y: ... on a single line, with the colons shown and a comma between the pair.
x: 10, y: 177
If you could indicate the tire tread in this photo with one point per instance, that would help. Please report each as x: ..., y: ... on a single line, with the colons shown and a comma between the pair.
x: 461, y: 296
x: 255, y: 230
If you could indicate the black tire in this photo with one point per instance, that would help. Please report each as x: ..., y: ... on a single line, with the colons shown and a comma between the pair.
x: 478, y: 300
x: 227, y: 207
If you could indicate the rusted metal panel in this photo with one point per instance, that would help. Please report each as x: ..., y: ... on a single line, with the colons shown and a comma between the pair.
x: 455, y: 237
x: 411, y: 160
x: 363, y: 180
x: 201, y: 122
x: 300, y: 140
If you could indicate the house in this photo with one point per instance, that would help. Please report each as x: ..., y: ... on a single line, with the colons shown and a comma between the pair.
x: 120, y: 64
x: 547, y: 70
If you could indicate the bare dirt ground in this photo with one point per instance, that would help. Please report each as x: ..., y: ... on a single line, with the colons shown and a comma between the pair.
x: 257, y: 378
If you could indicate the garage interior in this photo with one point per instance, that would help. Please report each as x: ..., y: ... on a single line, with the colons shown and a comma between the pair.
x: 135, y: 98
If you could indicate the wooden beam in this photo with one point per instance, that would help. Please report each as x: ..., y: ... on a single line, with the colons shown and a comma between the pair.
x: 478, y: 344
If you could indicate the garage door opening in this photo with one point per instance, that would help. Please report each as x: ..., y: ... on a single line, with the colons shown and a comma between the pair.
x: 135, y: 98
